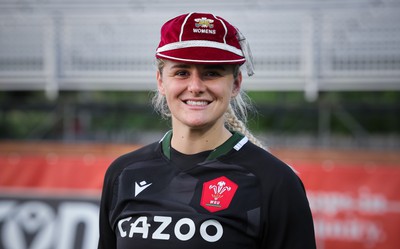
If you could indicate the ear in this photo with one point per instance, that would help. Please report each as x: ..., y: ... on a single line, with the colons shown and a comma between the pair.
x: 160, y: 84
x: 237, y: 85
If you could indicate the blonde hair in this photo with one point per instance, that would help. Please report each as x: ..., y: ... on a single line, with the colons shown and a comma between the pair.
x: 235, y: 116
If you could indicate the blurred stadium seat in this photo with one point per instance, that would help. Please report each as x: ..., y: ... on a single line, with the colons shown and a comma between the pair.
x: 104, y: 45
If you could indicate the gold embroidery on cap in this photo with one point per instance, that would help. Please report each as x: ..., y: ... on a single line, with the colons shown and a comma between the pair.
x: 204, y: 23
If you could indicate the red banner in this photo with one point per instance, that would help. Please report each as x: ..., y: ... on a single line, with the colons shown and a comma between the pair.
x: 354, y: 206
x: 53, y: 172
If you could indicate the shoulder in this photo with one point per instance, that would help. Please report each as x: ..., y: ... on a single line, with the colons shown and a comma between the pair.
x: 262, y: 161
x: 145, y: 153
x: 270, y: 170
x: 285, y: 210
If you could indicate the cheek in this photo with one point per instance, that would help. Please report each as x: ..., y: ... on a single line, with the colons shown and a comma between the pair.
x: 171, y: 92
x: 227, y: 93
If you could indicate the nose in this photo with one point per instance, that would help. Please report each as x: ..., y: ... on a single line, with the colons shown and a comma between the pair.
x: 196, y: 84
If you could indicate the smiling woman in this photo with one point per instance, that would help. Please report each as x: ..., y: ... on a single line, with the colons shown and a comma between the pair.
x: 198, y: 96
x: 208, y: 183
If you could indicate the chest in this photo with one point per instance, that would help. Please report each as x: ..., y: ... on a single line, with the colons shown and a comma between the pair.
x: 206, y: 206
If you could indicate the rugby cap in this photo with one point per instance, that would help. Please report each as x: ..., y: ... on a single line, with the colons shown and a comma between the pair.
x: 202, y: 38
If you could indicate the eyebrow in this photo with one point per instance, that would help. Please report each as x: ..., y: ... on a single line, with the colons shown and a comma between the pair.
x: 180, y: 66
x: 217, y: 67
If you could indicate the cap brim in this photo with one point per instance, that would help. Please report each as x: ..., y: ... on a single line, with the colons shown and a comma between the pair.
x: 201, y: 55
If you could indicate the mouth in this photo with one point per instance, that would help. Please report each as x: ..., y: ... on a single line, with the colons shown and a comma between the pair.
x: 197, y: 102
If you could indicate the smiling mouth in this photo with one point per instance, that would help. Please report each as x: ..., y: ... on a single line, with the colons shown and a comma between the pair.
x: 197, y: 103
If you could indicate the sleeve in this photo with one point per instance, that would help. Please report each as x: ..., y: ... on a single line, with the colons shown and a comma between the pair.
x: 107, y: 239
x: 288, y: 220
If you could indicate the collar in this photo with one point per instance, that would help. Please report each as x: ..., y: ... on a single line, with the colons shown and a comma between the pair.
x: 236, y: 141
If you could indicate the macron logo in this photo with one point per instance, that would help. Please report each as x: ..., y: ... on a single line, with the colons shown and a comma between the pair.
x: 139, y: 187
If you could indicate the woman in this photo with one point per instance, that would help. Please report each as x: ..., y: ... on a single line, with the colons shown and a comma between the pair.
x: 205, y: 184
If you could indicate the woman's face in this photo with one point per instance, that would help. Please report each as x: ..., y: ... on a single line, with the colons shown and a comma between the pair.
x: 197, y: 95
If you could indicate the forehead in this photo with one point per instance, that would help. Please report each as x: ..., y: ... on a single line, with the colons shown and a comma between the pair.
x: 184, y: 65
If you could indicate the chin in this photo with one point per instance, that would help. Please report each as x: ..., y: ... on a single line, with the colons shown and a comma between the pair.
x: 197, y: 124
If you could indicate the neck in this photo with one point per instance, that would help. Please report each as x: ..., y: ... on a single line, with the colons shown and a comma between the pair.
x: 192, y: 141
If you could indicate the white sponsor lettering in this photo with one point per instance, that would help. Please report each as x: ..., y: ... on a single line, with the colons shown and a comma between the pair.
x: 29, y: 218
x: 351, y: 216
x: 189, y: 234
x: 122, y: 232
x: 184, y: 229
x: 70, y: 216
x: 216, y: 236
x: 36, y: 225
x: 158, y: 233
x: 143, y: 229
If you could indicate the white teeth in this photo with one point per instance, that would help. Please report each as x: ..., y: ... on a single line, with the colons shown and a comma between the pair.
x: 197, y: 103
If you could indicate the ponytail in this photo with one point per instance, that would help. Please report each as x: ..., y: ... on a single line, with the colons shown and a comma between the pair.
x: 236, y: 118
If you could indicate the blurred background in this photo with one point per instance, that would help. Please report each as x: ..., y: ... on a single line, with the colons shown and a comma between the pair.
x: 77, y: 77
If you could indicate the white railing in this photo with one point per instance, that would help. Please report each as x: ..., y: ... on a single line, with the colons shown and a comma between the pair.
x: 307, y: 49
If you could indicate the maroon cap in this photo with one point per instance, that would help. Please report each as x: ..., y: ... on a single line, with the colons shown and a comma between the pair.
x: 200, y: 38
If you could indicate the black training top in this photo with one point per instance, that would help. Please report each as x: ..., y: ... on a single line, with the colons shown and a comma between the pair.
x: 236, y: 196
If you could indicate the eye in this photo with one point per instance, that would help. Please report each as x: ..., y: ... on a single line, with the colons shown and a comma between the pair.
x: 181, y: 73
x: 212, y: 74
